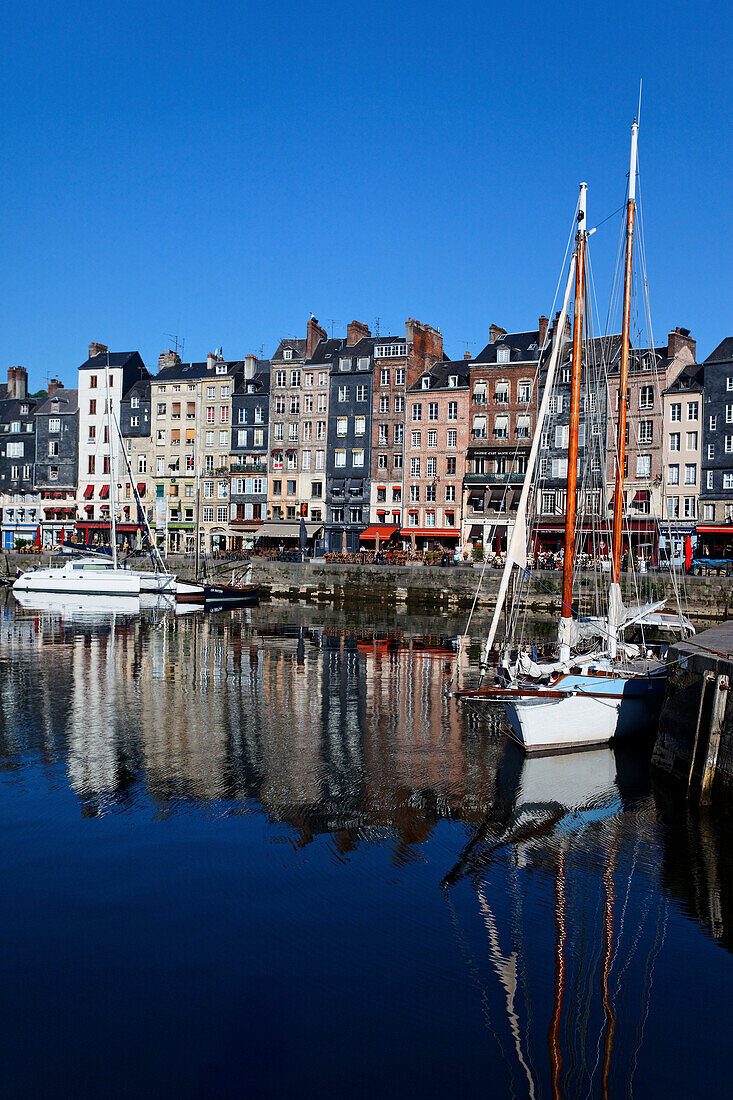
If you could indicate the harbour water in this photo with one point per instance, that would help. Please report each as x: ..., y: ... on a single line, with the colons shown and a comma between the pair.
x: 264, y: 853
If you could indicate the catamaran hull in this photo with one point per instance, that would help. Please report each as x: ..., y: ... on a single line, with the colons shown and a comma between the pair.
x: 51, y: 581
x: 158, y: 582
x: 625, y: 708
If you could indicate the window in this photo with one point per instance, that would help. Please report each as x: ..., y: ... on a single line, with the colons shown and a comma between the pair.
x: 397, y: 461
x: 452, y: 437
x: 92, y: 433
x: 90, y: 464
x: 415, y: 467
x: 320, y: 429
x: 708, y: 511
x: 361, y: 393
x: 646, y: 431
x: 556, y: 404
x: 134, y: 421
x: 384, y: 377
x: 287, y: 353
x: 728, y: 479
x: 322, y: 401
x: 450, y: 465
x: 452, y: 410
x: 362, y: 363
x: 673, y: 507
x: 306, y: 460
x: 713, y: 423
x: 673, y: 475
x: 431, y: 466
x: 142, y: 464
x: 384, y: 404
x: 357, y: 456
x: 501, y: 393
x: 222, y: 489
x: 399, y: 404
x: 417, y: 411
x: 692, y: 410
x: 383, y: 433
x: 691, y: 441
x: 291, y: 488
x: 728, y: 444
x: 344, y: 364
x: 646, y: 397
x: 320, y: 460
x: 277, y: 488
x: 523, y: 427
x: 224, y: 439
x: 208, y: 490
x: 396, y: 494
x: 709, y: 480
x: 292, y: 433
x: 54, y: 424
x: 432, y: 439
x: 242, y: 437
x: 323, y: 378
x: 281, y: 377
x: 415, y: 439
x: 53, y: 448
x: 340, y: 459
x: 259, y: 437
x: 399, y: 376
x: 643, y: 465
x: 414, y: 494
x: 502, y: 355
x: 399, y: 433
x: 224, y: 414
x: 450, y: 493
x: 674, y: 441
x: 433, y: 410
x: 711, y: 450
x: 208, y: 513
x: 729, y: 414
x: 359, y: 425
x: 548, y: 503
x: 295, y: 379
x: 425, y: 382
x: 308, y: 378
x: 689, y: 508
x: 337, y: 515
x: 729, y: 383
x: 15, y: 450
x: 691, y: 474
x: 92, y: 410
x: 524, y: 393
x: 675, y: 411
x: 430, y: 519
x: 382, y: 463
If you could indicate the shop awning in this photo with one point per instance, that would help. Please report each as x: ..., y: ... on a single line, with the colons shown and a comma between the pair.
x: 104, y: 492
x: 643, y: 496
x: 431, y: 532
x: 724, y: 529
x: 282, y: 530
x: 383, y: 532
x: 88, y: 492
x: 105, y: 525
x: 356, y: 485
x: 338, y: 484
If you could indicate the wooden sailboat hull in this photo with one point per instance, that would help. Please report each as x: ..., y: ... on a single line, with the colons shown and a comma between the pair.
x: 240, y: 595
x: 586, y: 713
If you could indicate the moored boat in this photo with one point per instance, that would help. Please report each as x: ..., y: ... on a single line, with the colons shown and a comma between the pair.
x: 88, y: 577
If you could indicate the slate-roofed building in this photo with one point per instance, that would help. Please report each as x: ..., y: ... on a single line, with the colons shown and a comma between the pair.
x: 437, y: 433
x: 249, y: 451
x: 503, y: 415
x: 57, y: 462
x: 716, y: 494
x: 348, y: 454
x: 21, y: 503
x: 99, y: 448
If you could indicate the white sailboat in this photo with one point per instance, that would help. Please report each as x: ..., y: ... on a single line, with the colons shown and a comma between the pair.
x: 588, y: 698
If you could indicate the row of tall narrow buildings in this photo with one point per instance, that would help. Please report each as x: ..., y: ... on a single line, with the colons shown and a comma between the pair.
x: 368, y: 439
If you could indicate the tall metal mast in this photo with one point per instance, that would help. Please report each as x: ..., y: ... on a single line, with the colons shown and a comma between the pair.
x: 112, y: 471
x: 565, y: 627
x: 614, y: 595
x: 623, y: 380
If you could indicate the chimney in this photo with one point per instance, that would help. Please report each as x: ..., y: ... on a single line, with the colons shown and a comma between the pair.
x: 467, y: 354
x: 210, y: 361
x: 250, y: 366
x: 54, y: 385
x: 568, y: 329
x: 542, y: 324
x: 355, y: 332
x: 97, y: 349
x: 168, y: 358
x: 11, y: 382
x: 495, y: 331
x: 426, y: 351
x: 315, y: 335
x: 678, y: 339
x: 21, y: 382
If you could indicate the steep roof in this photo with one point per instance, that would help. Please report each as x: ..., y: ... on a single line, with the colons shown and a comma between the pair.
x: 723, y: 353
x: 690, y: 379
x: 295, y: 345
x: 116, y: 359
x: 523, y: 347
x: 68, y: 402
x: 325, y: 351
x: 190, y: 372
x: 439, y: 374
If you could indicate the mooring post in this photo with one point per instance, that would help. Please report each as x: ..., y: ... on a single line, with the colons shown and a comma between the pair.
x: 717, y: 716
x: 707, y: 678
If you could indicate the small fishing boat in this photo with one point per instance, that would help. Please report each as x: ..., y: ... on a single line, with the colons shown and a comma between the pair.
x: 231, y: 594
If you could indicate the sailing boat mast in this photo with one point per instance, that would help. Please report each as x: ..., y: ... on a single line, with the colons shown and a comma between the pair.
x: 565, y: 627
x: 112, y: 471
x: 623, y: 381
x: 614, y: 598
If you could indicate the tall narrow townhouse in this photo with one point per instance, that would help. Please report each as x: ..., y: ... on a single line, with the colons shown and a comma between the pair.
x: 19, y: 499
x: 651, y: 371
x: 348, y: 454
x: 250, y: 433
x: 683, y: 409
x: 436, y: 444
x: 106, y: 377
x: 136, y: 483
x: 503, y: 413
x: 716, y: 497
x: 57, y: 462
x: 191, y: 416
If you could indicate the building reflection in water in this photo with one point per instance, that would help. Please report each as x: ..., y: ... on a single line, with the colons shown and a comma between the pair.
x: 354, y: 736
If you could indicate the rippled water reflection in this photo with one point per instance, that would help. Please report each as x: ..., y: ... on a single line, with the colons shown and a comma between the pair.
x: 263, y: 852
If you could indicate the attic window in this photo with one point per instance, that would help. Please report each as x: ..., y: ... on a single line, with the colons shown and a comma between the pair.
x: 288, y: 353
x: 426, y: 382
x: 221, y: 368
x: 502, y: 355
x: 453, y: 380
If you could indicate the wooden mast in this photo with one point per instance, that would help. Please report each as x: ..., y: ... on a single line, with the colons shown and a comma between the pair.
x: 572, y: 476
x: 623, y: 380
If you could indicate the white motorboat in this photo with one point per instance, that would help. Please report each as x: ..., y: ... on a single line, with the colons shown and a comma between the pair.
x: 88, y: 577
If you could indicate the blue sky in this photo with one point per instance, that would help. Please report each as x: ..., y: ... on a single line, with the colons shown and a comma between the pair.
x: 220, y: 172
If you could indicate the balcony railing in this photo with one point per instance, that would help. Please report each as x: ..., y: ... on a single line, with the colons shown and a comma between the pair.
x: 494, y: 479
x: 477, y: 433
x: 248, y: 468
x: 480, y: 399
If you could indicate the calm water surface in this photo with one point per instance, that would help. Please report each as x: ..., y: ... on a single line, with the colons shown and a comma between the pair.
x: 263, y: 853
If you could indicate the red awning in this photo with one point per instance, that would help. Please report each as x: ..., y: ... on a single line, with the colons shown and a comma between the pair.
x: 104, y: 492
x: 432, y: 532
x: 643, y: 496
x: 141, y: 489
x: 105, y: 525
x: 88, y: 492
x: 383, y: 532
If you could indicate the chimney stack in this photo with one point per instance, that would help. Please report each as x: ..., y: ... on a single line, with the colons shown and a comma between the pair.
x: 495, y: 331
x: 467, y: 354
x: 568, y: 328
x: 250, y: 366
x: 17, y: 382
x: 97, y: 349
x: 210, y: 361
x: 678, y: 339
x: 168, y: 358
x: 543, y: 324
x: 355, y: 332
x: 426, y: 350
x: 314, y: 337
x: 54, y: 385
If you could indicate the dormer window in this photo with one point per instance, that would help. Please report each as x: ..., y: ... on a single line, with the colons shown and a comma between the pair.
x: 453, y: 380
x: 221, y: 368
x: 288, y: 353
x: 23, y: 410
x: 426, y: 382
x: 502, y: 355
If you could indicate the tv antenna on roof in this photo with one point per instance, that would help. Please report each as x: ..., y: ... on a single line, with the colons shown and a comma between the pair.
x: 469, y: 344
x: 332, y: 321
x: 178, y: 344
x: 377, y: 323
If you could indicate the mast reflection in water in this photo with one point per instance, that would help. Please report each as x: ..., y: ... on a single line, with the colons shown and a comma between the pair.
x: 244, y: 855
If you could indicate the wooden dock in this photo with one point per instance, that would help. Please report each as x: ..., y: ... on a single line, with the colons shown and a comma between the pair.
x: 694, y: 745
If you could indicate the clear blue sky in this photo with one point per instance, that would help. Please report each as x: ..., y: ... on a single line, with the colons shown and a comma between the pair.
x: 219, y: 171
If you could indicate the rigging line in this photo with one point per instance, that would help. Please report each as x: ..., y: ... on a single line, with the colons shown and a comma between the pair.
x: 613, y: 215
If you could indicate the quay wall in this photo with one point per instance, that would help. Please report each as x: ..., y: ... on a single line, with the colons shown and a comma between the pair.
x: 451, y: 587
